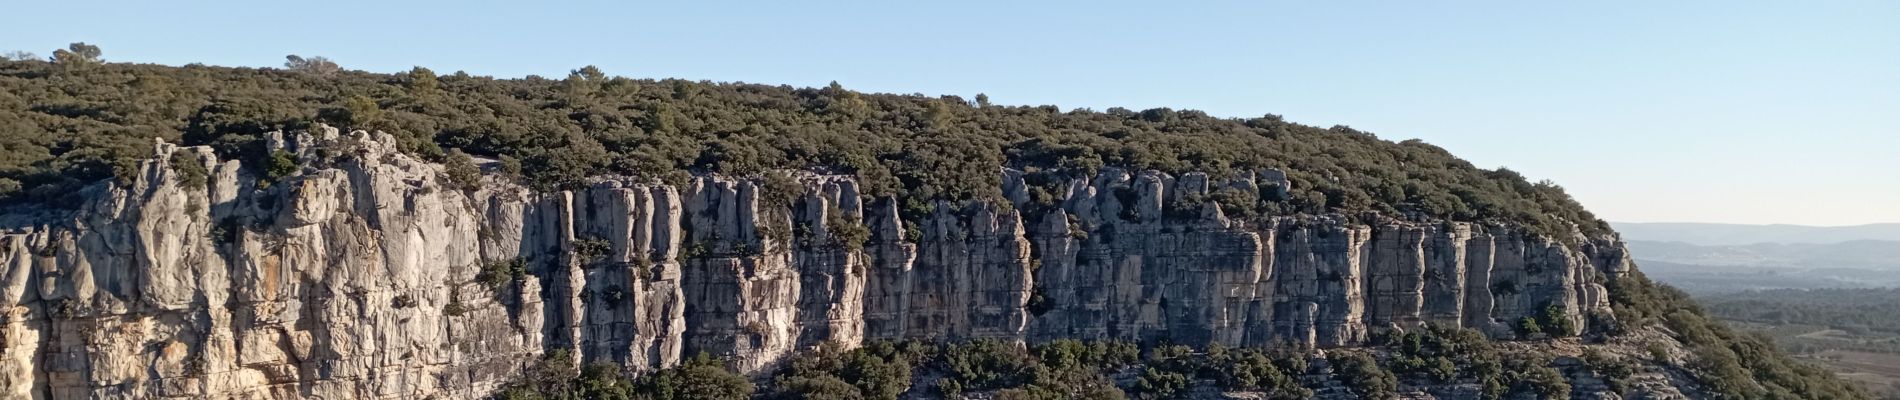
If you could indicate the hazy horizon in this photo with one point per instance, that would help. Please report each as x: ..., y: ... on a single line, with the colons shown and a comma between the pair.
x: 1705, y: 234
x: 1703, y: 111
x: 1768, y: 224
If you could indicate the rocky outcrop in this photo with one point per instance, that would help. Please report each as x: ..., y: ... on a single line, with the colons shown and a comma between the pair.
x: 367, y: 274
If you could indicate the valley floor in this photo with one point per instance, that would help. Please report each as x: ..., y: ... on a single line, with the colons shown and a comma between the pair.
x: 1868, y: 359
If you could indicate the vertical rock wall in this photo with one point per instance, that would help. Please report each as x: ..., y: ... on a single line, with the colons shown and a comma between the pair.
x: 369, y: 275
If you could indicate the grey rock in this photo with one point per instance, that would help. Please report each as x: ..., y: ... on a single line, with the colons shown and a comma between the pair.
x: 361, y: 275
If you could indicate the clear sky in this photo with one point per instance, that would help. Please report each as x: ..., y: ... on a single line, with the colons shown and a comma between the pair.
x: 1703, y: 111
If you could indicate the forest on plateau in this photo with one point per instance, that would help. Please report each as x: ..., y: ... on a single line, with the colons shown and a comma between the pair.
x: 76, y: 119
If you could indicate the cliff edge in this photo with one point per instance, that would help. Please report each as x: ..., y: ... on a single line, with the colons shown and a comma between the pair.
x: 370, y: 274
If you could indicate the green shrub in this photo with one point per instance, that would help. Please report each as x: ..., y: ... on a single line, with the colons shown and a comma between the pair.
x: 1615, y: 371
x: 779, y: 189
x: 1443, y: 370
x: 845, y: 232
x: 1038, y: 302
x: 1556, y: 321
x: 460, y: 171
x: 879, y: 370
x: 1491, y: 388
x: 1066, y: 353
x: 279, y: 165
x: 454, y: 309
x: 1543, y: 381
x: 699, y: 378
x: 822, y: 387
x: 985, y: 364
x: 1254, y: 370
x: 696, y: 250
x: 1077, y: 229
x: 1658, y: 353
x: 1361, y: 373
x: 1528, y: 327
x: 191, y: 174
x: 1156, y: 383
x: 496, y: 275
x: 949, y: 388
x: 554, y: 377
x: 1071, y: 383
x: 588, y: 250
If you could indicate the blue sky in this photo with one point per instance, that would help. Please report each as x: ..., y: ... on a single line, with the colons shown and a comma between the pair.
x: 1705, y: 111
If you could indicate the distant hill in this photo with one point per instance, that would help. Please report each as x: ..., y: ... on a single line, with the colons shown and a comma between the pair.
x: 1739, y: 234
x: 1717, y: 258
x: 1715, y: 279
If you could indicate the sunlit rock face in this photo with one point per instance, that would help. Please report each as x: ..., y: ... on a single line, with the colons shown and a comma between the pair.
x: 367, y: 274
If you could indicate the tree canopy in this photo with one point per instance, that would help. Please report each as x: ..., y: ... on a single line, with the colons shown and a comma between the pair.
x: 63, y: 125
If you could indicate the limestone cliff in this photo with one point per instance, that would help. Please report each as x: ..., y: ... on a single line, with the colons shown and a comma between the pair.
x: 368, y: 274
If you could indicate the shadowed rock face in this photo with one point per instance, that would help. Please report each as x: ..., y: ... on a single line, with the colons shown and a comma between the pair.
x: 361, y: 276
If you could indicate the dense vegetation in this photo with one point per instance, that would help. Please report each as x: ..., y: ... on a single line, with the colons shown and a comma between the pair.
x: 78, y: 119
x: 1728, y: 363
x: 1857, y: 311
x: 556, y: 378
x: 1070, y: 369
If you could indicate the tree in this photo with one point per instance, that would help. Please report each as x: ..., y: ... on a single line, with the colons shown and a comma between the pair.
x: 1362, y: 373
x: 581, y: 84
x: 701, y: 378
x: 1527, y: 327
x: 876, y: 377
x: 317, y: 65
x: 1070, y: 383
x: 421, y: 81
x: 280, y: 164
x: 363, y: 111
x: 879, y: 371
x: 1544, y: 381
x: 461, y: 171
x: 17, y: 55
x: 603, y: 381
x: 1443, y: 370
x: 78, y: 53
x: 1156, y: 383
x: 1557, y: 322
x: 825, y: 387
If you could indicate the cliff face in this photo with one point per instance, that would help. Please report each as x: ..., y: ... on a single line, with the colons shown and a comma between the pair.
x: 363, y: 275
